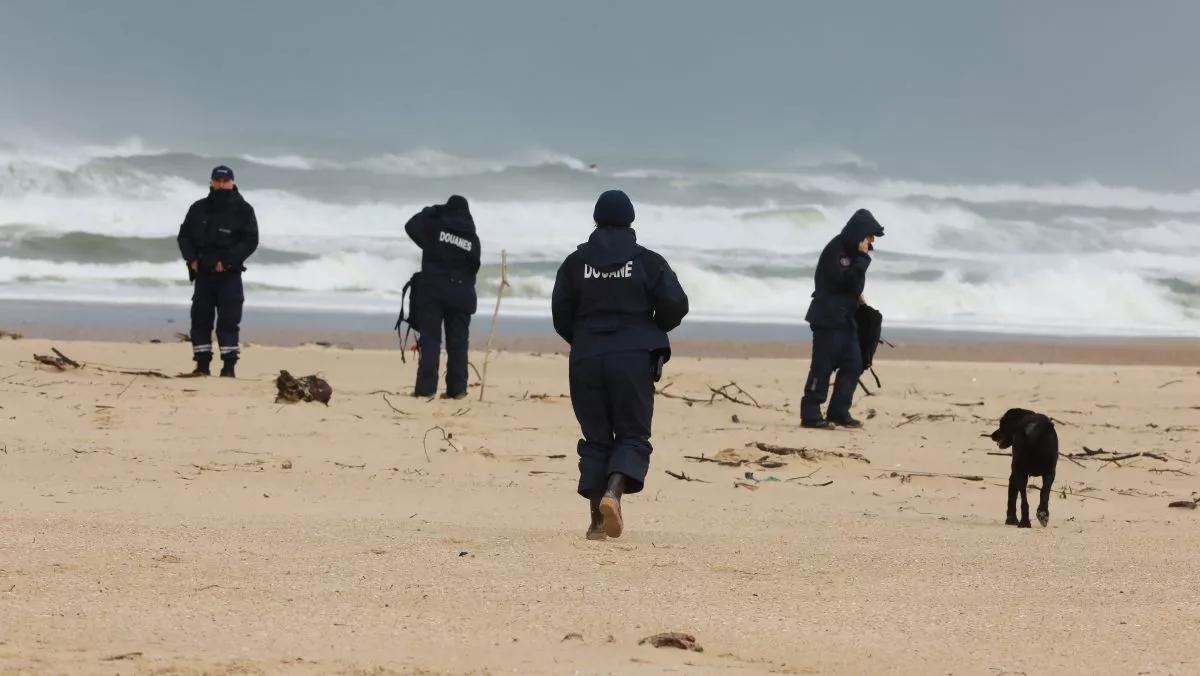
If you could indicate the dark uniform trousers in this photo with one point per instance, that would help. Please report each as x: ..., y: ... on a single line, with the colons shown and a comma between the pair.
x: 832, y: 350
x: 219, y: 296
x: 613, y: 398
x: 448, y: 302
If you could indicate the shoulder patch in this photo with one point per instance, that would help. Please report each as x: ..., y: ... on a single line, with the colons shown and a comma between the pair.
x: 844, y: 261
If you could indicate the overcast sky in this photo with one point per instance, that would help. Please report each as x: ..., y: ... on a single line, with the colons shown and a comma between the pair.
x: 955, y: 90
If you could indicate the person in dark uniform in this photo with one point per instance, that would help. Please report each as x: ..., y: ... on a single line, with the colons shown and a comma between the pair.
x: 217, y: 236
x: 614, y: 301
x: 840, y: 277
x: 449, y: 264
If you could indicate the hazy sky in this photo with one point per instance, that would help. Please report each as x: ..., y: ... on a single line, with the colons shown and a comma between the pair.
x: 954, y: 90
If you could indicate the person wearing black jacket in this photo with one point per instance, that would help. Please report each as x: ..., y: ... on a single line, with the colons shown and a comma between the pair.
x: 840, y: 277
x: 614, y: 302
x: 449, y: 264
x: 217, y: 236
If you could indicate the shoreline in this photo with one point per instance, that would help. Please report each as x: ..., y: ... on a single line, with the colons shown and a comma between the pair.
x: 138, y: 323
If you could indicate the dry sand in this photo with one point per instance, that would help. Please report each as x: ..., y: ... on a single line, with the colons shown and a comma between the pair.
x: 149, y: 526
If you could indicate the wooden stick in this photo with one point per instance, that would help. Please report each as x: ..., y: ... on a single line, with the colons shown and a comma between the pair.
x: 487, y: 353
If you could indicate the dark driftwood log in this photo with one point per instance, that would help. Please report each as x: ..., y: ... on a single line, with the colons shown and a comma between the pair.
x: 308, y: 388
x: 673, y: 639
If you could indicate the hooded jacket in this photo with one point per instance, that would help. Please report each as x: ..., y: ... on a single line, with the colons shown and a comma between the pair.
x: 446, y: 235
x: 220, y: 228
x: 612, y: 295
x: 842, y: 274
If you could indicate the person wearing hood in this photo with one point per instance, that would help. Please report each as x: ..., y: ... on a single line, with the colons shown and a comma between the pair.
x: 840, y: 277
x: 217, y: 236
x: 614, y: 302
x: 449, y: 264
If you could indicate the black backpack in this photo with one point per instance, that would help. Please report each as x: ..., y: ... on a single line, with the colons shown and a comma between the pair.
x: 870, y: 335
x: 406, y: 323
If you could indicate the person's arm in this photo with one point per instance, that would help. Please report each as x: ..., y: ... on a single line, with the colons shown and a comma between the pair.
x: 417, y: 227
x: 668, y: 299
x: 187, y: 247
x: 562, y: 303
x: 851, y: 278
x: 247, y: 244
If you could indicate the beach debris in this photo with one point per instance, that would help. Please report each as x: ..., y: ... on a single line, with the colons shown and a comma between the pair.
x: 733, y: 458
x: 931, y: 417
x: 182, y: 337
x: 905, y: 477
x: 735, y: 420
x: 122, y: 656
x: 1113, y: 457
x: 11, y: 335
x: 673, y: 639
x: 60, y: 361
x: 684, y: 477
x: 573, y: 636
x: 286, y: 464
x: 391, y: 405
x: 308, y: 388
x: 1185, y: 504
x: 724, y: 392
x: 487, y: 350
x: 446, y: 437
x: 342, y: 465
x: 806, y: 453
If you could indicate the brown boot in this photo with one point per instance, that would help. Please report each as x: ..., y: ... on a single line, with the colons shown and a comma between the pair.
x: 610, y: 505
x: 595, y: 531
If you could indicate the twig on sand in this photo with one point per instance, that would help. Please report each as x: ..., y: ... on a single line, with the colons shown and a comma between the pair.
x: 389, y: 403
x: 123, y: 656
x: 684, y: 477
x: 964, y: 477
x: 487, y: 351
x: 446, y: 436
x: 1173, y: 471
x: 807, y: 453
x: 662, y: 392
x: 127, y: 386
x: 723, y: 391
x: 345, y: 466
x: 1169, y: 383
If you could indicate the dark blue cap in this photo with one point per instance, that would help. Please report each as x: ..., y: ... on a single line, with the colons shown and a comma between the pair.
x: 613, y: 209
x: 222, y: 172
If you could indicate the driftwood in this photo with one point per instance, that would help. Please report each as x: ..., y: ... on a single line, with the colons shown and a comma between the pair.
x: 11, y: 335
x: 662, y: 392
x: 964, y: 477
x: 446, y: 437
x: 806, y: 453
x: 723, y: 391
x: 1186, y: 504
x: 673, y: 639
x: 765, y: 461
x: 60, y: 361
x: 389, y: 403
x: 308, y: 388
x: 487, y: 351
x: 931, y: 417
x: 684, y: 477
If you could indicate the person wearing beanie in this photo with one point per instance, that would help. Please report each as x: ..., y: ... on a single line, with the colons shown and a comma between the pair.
x: 614, y: 302
x: 840, y: 277
x: 218, y: 234
x: 446, y: 294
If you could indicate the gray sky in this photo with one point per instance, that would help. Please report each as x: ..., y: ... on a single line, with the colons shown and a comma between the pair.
x: 954, y: 90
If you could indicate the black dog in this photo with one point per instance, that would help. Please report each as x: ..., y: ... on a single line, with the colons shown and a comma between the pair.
x: 1034, y: 446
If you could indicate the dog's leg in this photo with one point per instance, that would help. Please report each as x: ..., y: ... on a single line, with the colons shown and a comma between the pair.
x: 1011, y: 513
x: 1043, y: 511
x: 1024, y: 479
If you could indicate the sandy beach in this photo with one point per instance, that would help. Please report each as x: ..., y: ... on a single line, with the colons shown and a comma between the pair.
x: 186, y: 526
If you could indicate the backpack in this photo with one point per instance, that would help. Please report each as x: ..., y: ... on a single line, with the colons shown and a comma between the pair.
x: 870, y: 335
x: 406, y: 322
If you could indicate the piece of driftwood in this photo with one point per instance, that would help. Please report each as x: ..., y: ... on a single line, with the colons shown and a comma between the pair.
x: 807, y: 453
x: 1185, y: 504
x: 487, y: 351
x: 446, y: 437
x: 684, y: 477
x: 59, y: 361
x: 724, y: 392
x: 308, y: 388
x: 673, y: 639
x: 765, y: 461
x: 964, y: 477
x: 662, y: 392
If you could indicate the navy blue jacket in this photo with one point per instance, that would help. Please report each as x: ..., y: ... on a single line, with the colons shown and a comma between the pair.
x: 449, y: 245
x: 841, y: 275
x: 219, y: 229
x: 614, y: 295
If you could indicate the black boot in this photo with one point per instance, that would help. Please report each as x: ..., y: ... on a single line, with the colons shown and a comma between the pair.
x: 610, y: 505
x: 595, y: 531
x: 202, y: 369
x: 227, y: 368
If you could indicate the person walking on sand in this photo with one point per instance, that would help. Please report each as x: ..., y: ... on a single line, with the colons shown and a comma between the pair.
x: 840, y: 277
x: 217, y: 236
x: 449, y: 264
x: 614, y: 302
